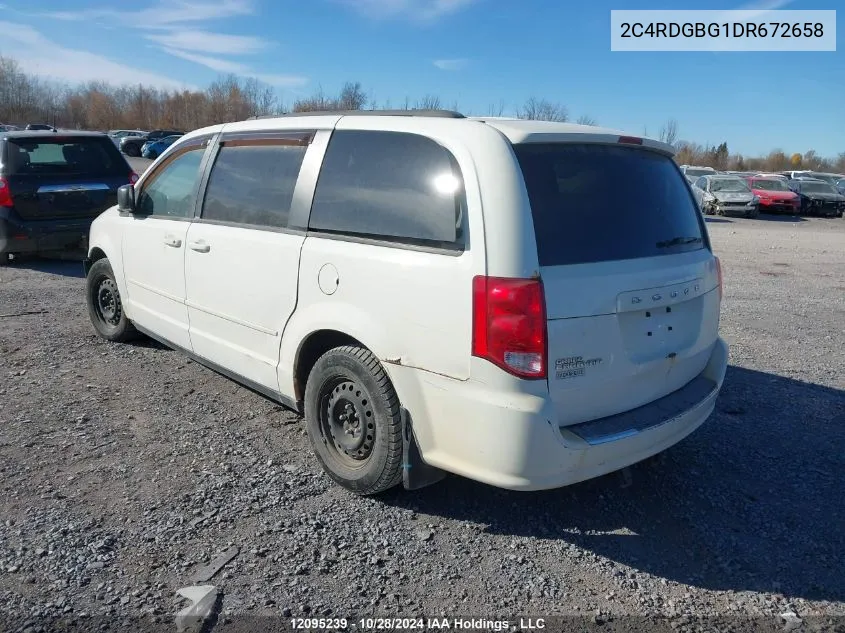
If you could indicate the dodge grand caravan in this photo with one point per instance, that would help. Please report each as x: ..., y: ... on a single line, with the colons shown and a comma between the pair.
x: 527, y: 304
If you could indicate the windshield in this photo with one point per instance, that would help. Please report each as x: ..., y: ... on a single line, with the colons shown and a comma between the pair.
x: 695, y: 173
x: 817, y: 187
x: 769, y: 185
x: 728, y: 185
x: 577, y: 218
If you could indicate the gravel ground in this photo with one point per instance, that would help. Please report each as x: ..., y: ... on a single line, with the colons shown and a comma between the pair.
x: 126, y: 468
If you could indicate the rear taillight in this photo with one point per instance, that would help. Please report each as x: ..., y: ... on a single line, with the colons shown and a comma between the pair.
x: 133, y: 177
x: 719, y: 276
x: 5, y: 194
x: 509, y: 324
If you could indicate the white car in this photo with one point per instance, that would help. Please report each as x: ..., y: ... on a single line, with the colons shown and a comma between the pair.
x: 433, y: 293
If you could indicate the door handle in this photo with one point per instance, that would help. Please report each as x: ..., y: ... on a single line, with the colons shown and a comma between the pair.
x: 172, y: 241
x: 199, y: 247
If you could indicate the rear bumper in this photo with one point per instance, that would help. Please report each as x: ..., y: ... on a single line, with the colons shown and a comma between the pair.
x: 512, y: 440
x: 779, y: 207
x: 19, y: 237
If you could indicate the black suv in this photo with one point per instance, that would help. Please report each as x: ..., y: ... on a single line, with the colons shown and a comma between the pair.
x: 131, y: 145
x: 52, y: 186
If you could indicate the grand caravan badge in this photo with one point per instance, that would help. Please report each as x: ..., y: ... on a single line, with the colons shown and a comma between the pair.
x: 574, y: 366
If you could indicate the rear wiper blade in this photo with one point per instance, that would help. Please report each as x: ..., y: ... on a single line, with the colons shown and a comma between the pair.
x: 677, y: 241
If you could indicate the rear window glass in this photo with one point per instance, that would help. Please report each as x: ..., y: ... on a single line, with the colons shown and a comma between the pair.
x: 595, y: 203
x: 89, y: 156
x: 390, y: 186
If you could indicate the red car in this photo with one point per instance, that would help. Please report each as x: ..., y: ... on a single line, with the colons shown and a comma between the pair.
x: 775, y: 195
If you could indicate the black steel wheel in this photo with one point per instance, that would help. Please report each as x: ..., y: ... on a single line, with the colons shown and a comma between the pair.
x: 353, y: 420
x: 105, y: 307
x: 346, y: 416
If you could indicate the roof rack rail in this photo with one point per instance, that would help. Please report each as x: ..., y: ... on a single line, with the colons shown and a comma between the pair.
x: 441, y: 114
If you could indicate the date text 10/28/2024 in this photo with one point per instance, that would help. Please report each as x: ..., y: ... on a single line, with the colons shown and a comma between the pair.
x: 441, y: 623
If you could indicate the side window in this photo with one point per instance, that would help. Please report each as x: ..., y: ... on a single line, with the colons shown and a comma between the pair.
x: 252, y: 182
x: 389, y: 185
x: 701, y: 183
x: 171, y: 190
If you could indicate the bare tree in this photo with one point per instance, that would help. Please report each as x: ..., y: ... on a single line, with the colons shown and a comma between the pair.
x: 26, y: 98
x: 496, y: 109
x: 428, y: 102
x: 352, y: 97
x: 586, y: 119
x: 542, y: 110
x: 669, y: 132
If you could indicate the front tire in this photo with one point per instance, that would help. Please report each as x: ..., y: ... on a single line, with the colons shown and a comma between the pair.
x: 133, y: 151
x: 105, y: 307
x: 353, y: 420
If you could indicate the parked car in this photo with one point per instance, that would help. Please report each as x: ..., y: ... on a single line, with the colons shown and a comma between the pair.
x: 131, y: 145
x: 312, y: 258
x: 693, y: 172
x: 726, y: 195
x: 117, y: 135
x: 764, y: 174
x: 8, y: 128
x: 818, y: 198
x: 794, y: 174
x: 831, y: 179
x: 154, y: 149
x: 52, y: 186
x: 32, y: 127
x: 775, y: 195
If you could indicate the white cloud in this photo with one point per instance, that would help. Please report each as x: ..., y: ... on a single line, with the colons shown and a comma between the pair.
x: 41, y: 56
x: 451, y: 64
x: 162, y: 14
x: 215, y: 63
x: 226, y: 66
x: 175, y: 26
x: 414, y: 10
x: 213, y: 43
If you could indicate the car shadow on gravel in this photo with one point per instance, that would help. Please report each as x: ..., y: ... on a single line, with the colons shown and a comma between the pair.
x: 750, y: 502
x: 65, y: 266
x: 712, y: 220
x: 770, y: 217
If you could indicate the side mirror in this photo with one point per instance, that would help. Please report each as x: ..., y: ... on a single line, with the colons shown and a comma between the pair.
x: 126, y: 199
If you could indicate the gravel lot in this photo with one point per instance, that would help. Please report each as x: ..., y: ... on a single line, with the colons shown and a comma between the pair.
x: 125, y: 468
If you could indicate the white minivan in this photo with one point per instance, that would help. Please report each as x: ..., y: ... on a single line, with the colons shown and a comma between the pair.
x: 527, y: 304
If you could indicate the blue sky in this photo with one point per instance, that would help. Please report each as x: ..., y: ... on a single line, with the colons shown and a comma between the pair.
x: 475, y: 53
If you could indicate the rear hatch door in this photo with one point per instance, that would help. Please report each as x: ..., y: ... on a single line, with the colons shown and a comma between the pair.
x: 631, y: 285
x: 63, y: 177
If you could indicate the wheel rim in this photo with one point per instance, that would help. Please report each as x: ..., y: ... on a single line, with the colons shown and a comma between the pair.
x: 347, y: 421
x: 107, y: 302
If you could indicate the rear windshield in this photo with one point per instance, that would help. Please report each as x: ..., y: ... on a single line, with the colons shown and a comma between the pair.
x: 770, y: 185
x: 595, y: 203
x: 68, y: 155
x: 695, y: 173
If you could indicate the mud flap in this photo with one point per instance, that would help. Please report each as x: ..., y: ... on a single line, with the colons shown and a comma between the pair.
x: 416, y: 473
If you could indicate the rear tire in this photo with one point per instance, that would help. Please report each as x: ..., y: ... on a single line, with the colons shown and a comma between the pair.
x: 353, y: 420
x: 133, y: 150
x: 105, y: 307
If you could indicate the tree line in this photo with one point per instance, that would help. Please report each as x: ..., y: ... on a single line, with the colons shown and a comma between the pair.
x: 26, y: 98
